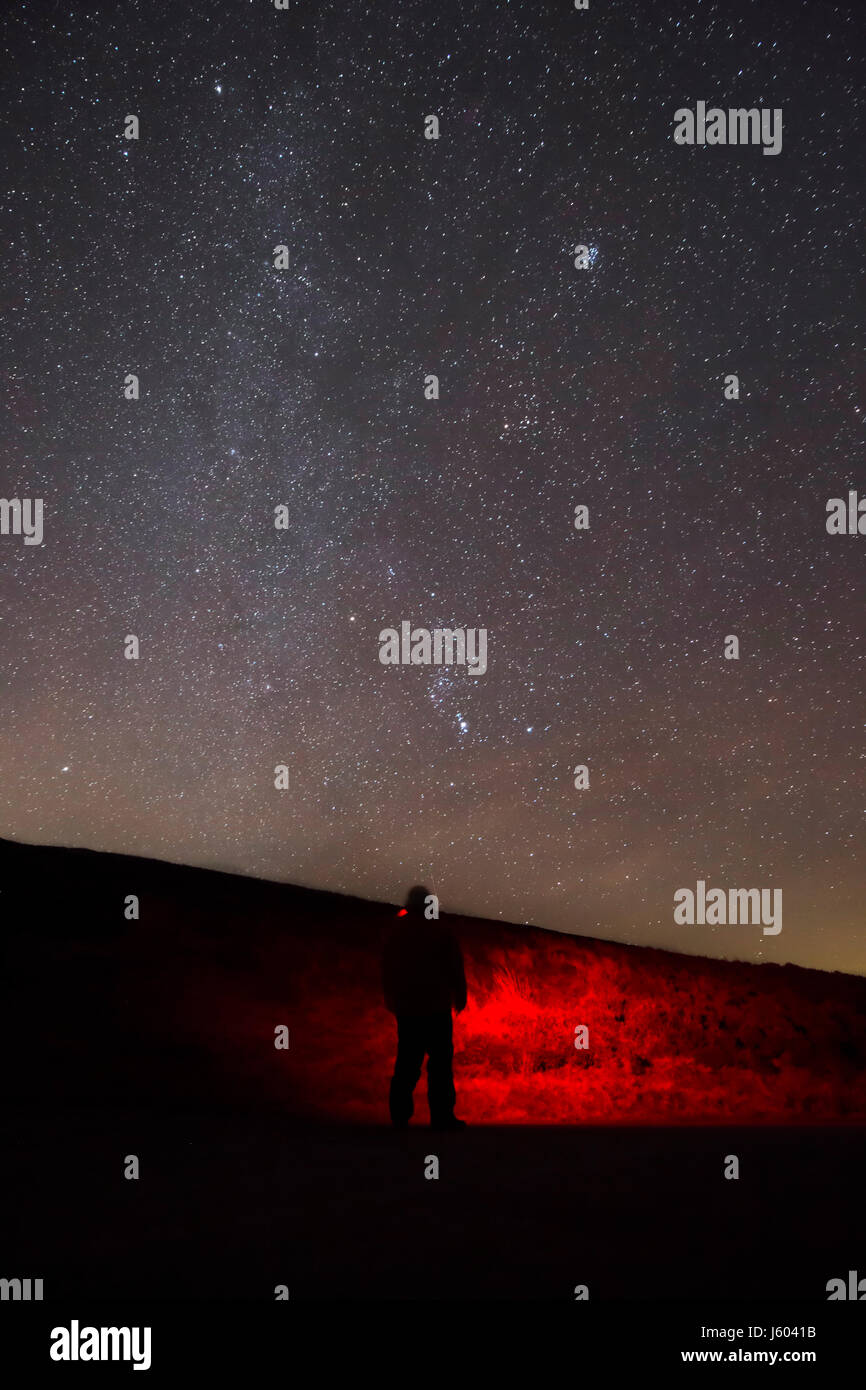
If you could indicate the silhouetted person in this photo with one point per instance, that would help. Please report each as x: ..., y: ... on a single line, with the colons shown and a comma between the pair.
x: 422, y: 973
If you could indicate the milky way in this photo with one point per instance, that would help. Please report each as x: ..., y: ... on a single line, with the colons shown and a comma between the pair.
x: 558, y: 387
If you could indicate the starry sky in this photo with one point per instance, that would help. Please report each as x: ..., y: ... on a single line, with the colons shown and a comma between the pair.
x: 558, y: 387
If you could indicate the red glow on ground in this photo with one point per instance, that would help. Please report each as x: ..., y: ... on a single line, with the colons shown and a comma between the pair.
x: 671, y: 1038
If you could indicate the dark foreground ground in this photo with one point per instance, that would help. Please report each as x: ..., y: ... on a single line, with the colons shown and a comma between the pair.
x: 230, y: 1205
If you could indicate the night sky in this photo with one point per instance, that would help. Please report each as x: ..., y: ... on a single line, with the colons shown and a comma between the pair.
x: 559, y: 387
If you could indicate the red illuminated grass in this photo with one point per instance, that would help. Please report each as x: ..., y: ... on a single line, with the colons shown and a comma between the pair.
x: 671, y: 1038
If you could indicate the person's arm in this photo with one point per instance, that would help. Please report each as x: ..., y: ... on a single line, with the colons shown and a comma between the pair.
x: 388, y: 977
x: 458, y: 975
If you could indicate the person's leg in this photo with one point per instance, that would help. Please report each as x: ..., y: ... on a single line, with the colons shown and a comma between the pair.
x: 407, y: 1069
x: 440, y: 1074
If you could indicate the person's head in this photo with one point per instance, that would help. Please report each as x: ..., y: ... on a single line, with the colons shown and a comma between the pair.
x: 416, y: 900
